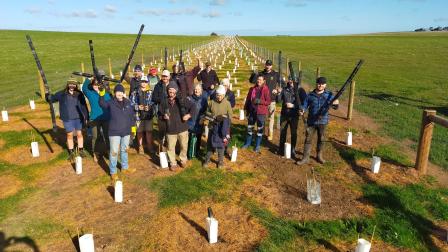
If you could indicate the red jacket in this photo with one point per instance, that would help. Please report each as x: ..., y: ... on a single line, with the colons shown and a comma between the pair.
x: 258, y: 93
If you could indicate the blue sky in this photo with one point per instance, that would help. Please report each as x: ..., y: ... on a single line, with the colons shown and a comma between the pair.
x: 243, y: 17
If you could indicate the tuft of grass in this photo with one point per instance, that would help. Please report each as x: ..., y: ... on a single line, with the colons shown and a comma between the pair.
x: 18, y: 138
x: 42, y: 228
x: 392, y: 153
x: 352, y: 155
x: 404, y: 217
x: 196, y: 183
x: 9, y: 204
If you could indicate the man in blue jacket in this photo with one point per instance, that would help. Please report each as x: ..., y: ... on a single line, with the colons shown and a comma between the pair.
x: 317, y: 120
x: 121, y: 122
x: 99, y: 118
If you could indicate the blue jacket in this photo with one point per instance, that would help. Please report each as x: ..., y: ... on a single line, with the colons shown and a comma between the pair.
x: 71, y: 106
x: 200, y: 102
x: 314, y: 102
x: 122, y: 116
x: 96, y: 112
x: 218, y: 133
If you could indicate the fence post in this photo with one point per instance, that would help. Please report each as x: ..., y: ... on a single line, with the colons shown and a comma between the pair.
x: 424, y: 144
x: 317, y: 72
x: 41, y: 86
x: 351, y: 99
x: 82, y: 70
x: 110, y: 68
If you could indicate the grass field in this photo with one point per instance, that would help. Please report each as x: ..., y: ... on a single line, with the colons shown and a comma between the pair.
x: 402, y: 75
x: 62, y: 53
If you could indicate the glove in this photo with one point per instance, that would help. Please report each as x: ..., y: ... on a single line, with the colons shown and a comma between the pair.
x: 102, y: 92
x: 47, y: 97
x: 133, y: 130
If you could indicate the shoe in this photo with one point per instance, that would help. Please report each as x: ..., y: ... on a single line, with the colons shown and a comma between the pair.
x: 128, y: 170
x: 173, y: 167
x: 258, y: 144
x: 306, y: 155
x: 183, y: 164
x: 270, y: 137
x: 220, y: 165
x: 71, y: 156
x: 81, y: 153
x: 248, y: 142
x: 320, y: 157
x: 114, y: 177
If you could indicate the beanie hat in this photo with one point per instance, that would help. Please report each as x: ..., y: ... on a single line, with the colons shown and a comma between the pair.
x: 137, y: 68
x: 153, y: 70
x: 119, y: 88
x: 173, y: 85
x: 321, y: 80
x: 221, y: 90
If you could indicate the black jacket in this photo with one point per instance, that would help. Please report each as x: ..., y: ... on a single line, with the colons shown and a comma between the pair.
x: 122, y: 116
x: 176, y: 125
x: 288, y: 96
x: 71, y: 106
x: 208, y: 79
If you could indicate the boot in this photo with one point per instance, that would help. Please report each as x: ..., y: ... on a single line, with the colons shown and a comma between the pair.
x: 320, y: 157
x: 258, y: 143
x: 306, y: 155
x: 82, y: 153
x: 248, y: 142
x: 71, y: 155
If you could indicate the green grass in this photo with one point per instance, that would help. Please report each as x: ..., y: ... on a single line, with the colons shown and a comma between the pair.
x: 8, y: 205
x: 405, y: 69
x: 391, y: 153
x: 42, y: 229
x: 404, y: 217
x: 196, y: 183
x: 61, y: 53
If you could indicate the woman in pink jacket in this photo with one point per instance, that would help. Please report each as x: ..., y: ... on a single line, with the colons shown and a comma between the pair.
x: 256, y: 107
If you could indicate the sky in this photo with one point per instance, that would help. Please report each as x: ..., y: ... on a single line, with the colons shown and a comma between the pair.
x: 225, y: 17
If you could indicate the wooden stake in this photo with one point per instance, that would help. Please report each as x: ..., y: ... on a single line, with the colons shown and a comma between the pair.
x: 143, y: 62
x: 351, y: 99
x: 110, y: 68
x: 41, y: 85
x: 317, y: 72
x: 373, y: 233
x: 300, y: 65
x: 424, y: 144
x: 82, y: 70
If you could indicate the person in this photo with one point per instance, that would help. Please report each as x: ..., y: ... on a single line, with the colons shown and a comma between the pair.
x: 317, y: 118
x: 121, y: 123
x: 73, y: 113
x: 230, y: 96
x: 289, y: 115
x: 220, y: 110
x: 195, y: 128
x: 209, y: 78
x: 177, y: 126
x: 99, y: 118
x: 257, y: 101
x: 189, y: 78
x: 153, y: 78
x: 273, y: 81
x: 134, y: 82
x: 160, y: 100
x: 143, y: 107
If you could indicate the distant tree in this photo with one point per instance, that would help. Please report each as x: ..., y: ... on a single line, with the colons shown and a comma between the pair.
x: 420, y: 30
x: 213, y: 34
x: 431, y: 28
x: 438, y: 28
x: 445, y: 28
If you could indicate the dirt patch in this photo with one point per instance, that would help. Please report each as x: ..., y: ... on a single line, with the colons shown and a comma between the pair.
x: 10, y: 185
x: 19, y: 124
x: 185, y: 228
x: 22, y: 155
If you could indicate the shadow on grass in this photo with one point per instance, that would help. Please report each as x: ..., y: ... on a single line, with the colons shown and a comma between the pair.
x: 195, y: 225
x: 13, y: 240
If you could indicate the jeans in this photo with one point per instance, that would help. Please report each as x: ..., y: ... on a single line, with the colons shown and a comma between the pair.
x: 96, y: 127
x: 320, y: 128
x: 118, y: 145
x: 256, y: 119
x: 292, y: 122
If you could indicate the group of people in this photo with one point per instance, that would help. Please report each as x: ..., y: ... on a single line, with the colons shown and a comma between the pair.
x: 184, y: 111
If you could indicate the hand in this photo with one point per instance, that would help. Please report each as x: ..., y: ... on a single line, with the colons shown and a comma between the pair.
x: 274, y: 91
x: 141, y: 107
x: 186, y: 117
x: 166, y: 117
x: 47, y: 97
x: 289, y: 105
x: 147, y: 108
x: 133, y: 130
x: 212, y: 86
x: 301, y: 112
x: 225, y: 141
x: 102, y: 92
x: 336, y: 102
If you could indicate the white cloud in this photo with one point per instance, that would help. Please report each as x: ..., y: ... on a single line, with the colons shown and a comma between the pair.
x: 218, y: 2
x: 169, y: 12
x: 110, y: 8
x: 212, y: 14
x: 441, y: 19
x: 33, y: 10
